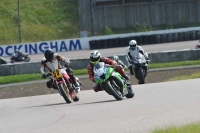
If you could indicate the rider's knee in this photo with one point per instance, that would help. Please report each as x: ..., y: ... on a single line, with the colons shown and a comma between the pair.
x: 49, y: 83
x: 97, y: 87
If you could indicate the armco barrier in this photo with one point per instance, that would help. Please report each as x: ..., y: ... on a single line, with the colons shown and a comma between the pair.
x: 145, y: 39
x: 158, y: 57
x: 180, y: 36
x: 186, y: 36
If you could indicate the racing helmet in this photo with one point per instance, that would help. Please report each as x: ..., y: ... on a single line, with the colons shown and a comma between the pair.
x: 116, y: 58
x: 132, y: 44
x: 17, y: 50
x: 95, y: 57
x: 48, y: 54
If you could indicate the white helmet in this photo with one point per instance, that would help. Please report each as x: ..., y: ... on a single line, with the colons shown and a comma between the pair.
x: 95, y: 57
x: 132, y: 44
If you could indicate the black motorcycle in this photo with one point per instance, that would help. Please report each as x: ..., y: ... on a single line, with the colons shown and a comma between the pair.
x: 14, y: 58
x: 3, y: 61
x: 140, y: 67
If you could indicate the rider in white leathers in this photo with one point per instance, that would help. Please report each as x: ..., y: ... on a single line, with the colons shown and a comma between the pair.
x: 132, y: 50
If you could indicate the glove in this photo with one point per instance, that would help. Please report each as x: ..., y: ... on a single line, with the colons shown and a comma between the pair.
x: 44, y: 75
x: 148, y: 61
x: 131, y: 61
x: 67, y: 64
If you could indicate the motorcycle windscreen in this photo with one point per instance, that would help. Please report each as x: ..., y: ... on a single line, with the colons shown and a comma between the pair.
x: 100, y: 72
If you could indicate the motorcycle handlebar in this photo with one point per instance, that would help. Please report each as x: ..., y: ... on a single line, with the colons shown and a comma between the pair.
x: 48, y: 74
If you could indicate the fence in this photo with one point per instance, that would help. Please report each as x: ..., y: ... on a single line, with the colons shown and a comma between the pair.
x: 158, y: 57
x: 95, y: 15
x: 146, y: 38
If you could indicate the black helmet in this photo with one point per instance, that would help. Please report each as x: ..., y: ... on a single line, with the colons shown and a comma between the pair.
x: 95, y: 57
x: 48, y: 54
x: 17, y: 50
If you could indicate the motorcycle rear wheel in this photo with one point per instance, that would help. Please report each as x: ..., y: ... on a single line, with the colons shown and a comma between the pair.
x: 12, y: 61
x: 117, y: 94
x: 65, y: 93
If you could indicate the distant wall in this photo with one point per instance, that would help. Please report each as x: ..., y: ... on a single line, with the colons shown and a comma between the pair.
x: 146, y: 38
x: 95, y: 15
x: 158, y: 57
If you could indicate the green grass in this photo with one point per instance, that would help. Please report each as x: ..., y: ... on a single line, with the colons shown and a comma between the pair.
x: 173, y: 64
x: 41, y: 20
x: 192, y: 76
x: 45, y: 20
x: 30, y: 77
x: 190, y: 128
x: 37, y: 76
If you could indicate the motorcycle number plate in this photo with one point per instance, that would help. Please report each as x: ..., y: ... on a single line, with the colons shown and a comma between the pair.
x: 56, y: 74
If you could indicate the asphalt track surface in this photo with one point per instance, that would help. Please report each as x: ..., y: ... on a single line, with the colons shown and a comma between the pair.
x: 154, y: 105
x: 79, y: 54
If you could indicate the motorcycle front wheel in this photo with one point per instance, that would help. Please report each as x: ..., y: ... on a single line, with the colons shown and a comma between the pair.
x: 77, y: 97
x: 141, y: 75
x: 130, y: 92
x: 27, y: 59
x: 65, y: 93
x: 116, y: 93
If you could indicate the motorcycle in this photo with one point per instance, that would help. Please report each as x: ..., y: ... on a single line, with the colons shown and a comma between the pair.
x: 3, y: 61
x: 14, y: 58
x: 60, y: 79
x: 112, y: 82
x: 140, y: 68
x: 197, y: 46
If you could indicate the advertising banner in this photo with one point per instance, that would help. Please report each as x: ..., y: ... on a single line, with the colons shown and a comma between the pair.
x: 40, y: 47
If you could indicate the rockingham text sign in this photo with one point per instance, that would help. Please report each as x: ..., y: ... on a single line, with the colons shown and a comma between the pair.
x: 39, y: 47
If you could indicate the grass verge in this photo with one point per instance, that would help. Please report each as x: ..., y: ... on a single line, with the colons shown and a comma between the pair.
x: 190, y: 128
x: 37, y: 76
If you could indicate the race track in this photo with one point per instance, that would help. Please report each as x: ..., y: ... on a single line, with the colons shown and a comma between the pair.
x: 154, y: 105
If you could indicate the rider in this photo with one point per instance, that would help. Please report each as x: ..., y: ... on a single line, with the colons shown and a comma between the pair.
x: 2, y: 61
x: 95, y: 57
x: 132, y: 50
x: 198, y: 45
x: 119, y: 62
x: 50, y: 59
x: 18, y: 55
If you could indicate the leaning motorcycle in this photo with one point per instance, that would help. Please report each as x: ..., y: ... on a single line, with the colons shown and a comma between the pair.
x: 13, y: 58
x: 3, y: 61
x: 60, y: 79
x: 112, y: 82
x: 140, y: 67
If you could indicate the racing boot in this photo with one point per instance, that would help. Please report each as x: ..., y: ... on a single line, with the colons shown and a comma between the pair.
x: 77, y: 87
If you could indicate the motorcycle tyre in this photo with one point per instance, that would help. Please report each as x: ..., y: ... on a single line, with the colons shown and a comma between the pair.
x: 141, y: 75
x: 76, y: 98
x: 12, y: 61
x: 130, y: 92
x: 27, y: 59
x: 113, y: 91
x: 65, y: 93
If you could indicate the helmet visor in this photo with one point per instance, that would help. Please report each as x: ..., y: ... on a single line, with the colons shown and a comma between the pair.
x: 49, y: 57
x: 94, y: 60
x: 132, y: 47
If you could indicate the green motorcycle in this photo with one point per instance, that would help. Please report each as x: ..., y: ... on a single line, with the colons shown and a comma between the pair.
x: 112, y: 82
